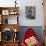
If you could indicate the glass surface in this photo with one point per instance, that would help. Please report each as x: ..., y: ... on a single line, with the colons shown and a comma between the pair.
x: 5, y: 12
x: 10, y: 19
x: 30, y: 12
x: 9, y: 34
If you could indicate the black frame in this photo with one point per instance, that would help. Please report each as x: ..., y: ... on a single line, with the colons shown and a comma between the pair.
x: 30, y: 12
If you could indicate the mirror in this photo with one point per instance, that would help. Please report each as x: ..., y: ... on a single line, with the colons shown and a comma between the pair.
x: 10, y: 19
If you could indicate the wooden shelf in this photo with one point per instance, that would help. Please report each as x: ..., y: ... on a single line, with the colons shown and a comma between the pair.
x: 4, y: 13
x: 11, y: 26
x: 9, y: 43
x: 5, y: 8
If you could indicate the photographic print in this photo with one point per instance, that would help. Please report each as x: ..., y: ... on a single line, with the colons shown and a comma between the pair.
x: 30, y: 12
x: 5, y: 12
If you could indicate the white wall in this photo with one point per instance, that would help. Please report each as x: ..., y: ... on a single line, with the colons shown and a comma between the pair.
x: 38, y: 21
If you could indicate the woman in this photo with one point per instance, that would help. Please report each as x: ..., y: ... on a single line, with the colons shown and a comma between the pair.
x: 30, y: 38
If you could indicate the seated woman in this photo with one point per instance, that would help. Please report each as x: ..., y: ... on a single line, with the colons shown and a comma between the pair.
x: 30, y: 38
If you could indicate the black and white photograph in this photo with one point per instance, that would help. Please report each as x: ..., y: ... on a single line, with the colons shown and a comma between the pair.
x: 30, y: 12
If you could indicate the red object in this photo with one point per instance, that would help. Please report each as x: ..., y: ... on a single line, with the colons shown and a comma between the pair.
x: 29, y: 33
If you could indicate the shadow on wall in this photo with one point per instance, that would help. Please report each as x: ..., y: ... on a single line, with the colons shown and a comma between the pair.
x: 37, y: 29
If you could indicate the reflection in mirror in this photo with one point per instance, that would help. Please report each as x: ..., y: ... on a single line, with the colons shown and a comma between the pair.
x: 8, y: 34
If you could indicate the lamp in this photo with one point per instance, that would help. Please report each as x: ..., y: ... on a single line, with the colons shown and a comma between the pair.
x: 15, y: 30
x: 15, y: 3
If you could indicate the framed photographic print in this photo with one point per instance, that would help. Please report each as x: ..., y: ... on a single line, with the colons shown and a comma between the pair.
x: 5, y: 12
x: 30, y: 12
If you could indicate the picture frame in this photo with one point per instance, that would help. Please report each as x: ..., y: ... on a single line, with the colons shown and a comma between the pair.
x: 5, y: 12
x: 30, y: 12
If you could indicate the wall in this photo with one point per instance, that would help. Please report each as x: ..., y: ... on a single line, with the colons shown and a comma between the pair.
x: 39, y: 13
x: 38, y: 21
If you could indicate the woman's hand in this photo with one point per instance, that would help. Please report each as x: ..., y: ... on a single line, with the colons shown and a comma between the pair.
x: 32, y: 41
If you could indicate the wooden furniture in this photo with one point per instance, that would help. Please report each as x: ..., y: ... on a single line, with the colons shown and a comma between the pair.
x: 11, y: 26
x: 6, y: 12
x: 10, y: 43
x: 5, y: 23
